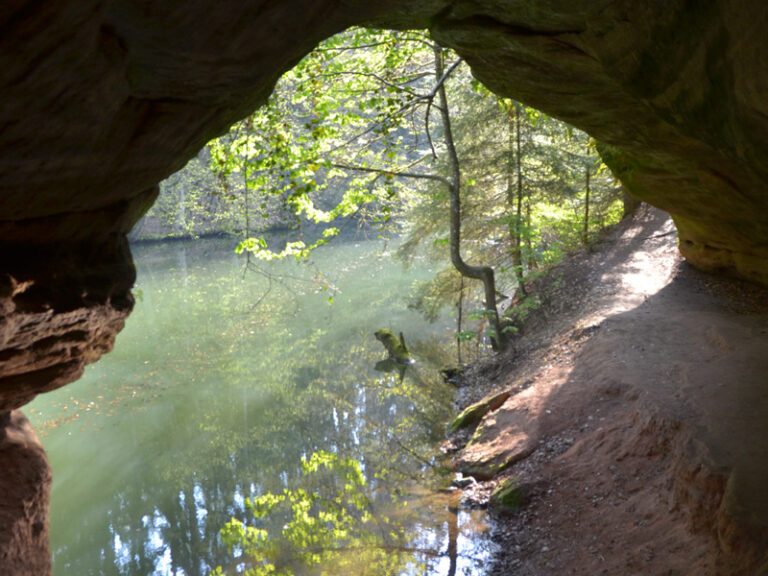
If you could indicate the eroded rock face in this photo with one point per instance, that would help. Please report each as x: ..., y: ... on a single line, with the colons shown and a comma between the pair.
x: 101, y: 100
x: 60, y: 309
x: 25, y: 484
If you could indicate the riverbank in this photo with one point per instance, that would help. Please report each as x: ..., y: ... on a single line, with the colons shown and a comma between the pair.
x: 637, y: 418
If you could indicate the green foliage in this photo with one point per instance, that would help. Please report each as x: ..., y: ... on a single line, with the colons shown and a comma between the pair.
x: 344, y: 132
x: 298, y: 249
x: 190, y: 203
x: 466, y: 335
x: 333, y: 136
x: 548, y: 170
x: 326, y: 524
x: 523, y: 307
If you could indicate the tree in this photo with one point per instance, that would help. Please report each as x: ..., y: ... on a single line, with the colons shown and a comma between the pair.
x: 332, y: 105
x: 527, y: 173
x: 357, y: 124
x: 482, y: 273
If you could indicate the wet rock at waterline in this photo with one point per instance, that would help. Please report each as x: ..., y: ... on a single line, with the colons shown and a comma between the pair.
x: 396, y: 348
x: 504, y: 436
x: 474, y: 413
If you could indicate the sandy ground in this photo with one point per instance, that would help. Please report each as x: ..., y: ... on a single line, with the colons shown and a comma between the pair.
x: 637, y: 428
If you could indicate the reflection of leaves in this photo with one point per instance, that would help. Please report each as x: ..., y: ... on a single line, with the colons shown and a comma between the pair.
x: 206, y: 402
x: 328, y: 522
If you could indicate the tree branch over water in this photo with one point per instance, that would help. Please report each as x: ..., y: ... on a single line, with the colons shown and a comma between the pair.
x: 393, y: 173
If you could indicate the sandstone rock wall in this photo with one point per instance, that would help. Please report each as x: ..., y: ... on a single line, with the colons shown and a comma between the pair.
x: 25, y: 484
x: 60, y: 309
x: 101, y: 100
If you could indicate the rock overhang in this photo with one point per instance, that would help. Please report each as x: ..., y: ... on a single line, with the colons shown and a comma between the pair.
x: 101, y: 100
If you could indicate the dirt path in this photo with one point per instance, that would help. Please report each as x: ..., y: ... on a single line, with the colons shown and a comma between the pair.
x: 637, y: 428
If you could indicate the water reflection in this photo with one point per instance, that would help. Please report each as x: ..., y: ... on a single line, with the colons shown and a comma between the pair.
x: 387, y: 366
x: 209, y: 400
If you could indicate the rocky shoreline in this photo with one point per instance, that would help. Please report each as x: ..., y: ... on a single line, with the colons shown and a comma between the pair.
x: 618, y: 422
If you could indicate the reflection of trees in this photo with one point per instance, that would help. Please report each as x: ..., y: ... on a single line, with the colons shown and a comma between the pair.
x: 272, y: 394
x: 242, y: 442
x: 453, y: 537
x: 326, y: 524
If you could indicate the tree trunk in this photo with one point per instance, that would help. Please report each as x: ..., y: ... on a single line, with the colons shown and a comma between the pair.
x: 532, y: 265
x: 516, y: 225
x: 483, y: 273
x: 181, y: 212
x: 459, y: 320
x: 453, y: 536
x: 586, y: 211
x: 631, y: 204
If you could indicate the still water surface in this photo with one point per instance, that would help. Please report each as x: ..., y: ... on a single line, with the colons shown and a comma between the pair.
x: 221, y: 383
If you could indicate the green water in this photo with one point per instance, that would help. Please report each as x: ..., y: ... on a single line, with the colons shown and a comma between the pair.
x: 218, y: 386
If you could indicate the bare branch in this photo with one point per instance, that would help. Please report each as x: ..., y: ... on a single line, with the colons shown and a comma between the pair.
x: 400, y: 87
x: 446, y: 74
x: 431, y: 100
x: 393, y: 173
x: 417, y: 100
x: 348, y: 48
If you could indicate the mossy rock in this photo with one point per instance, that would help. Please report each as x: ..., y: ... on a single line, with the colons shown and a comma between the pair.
x: 469, y: 416
x: 479, y: 470
x: 474, y: 413
x: 478, y: 435
x: 486, y: 468
x: 508, y: 496
x: 395, y: 346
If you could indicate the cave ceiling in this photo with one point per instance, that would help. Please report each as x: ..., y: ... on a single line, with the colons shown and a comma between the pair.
x: 101, y: 100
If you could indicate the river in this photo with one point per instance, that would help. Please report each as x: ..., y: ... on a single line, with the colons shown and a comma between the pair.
x: 221, y: 383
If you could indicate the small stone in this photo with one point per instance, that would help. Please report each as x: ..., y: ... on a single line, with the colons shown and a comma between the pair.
x: 462, y: 481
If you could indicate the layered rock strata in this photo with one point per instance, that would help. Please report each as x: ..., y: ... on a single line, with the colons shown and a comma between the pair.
x: 60, y: 309
x: 25, y: 483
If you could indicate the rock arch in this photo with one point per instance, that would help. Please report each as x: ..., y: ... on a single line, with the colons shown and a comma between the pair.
x: 101, y: 100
